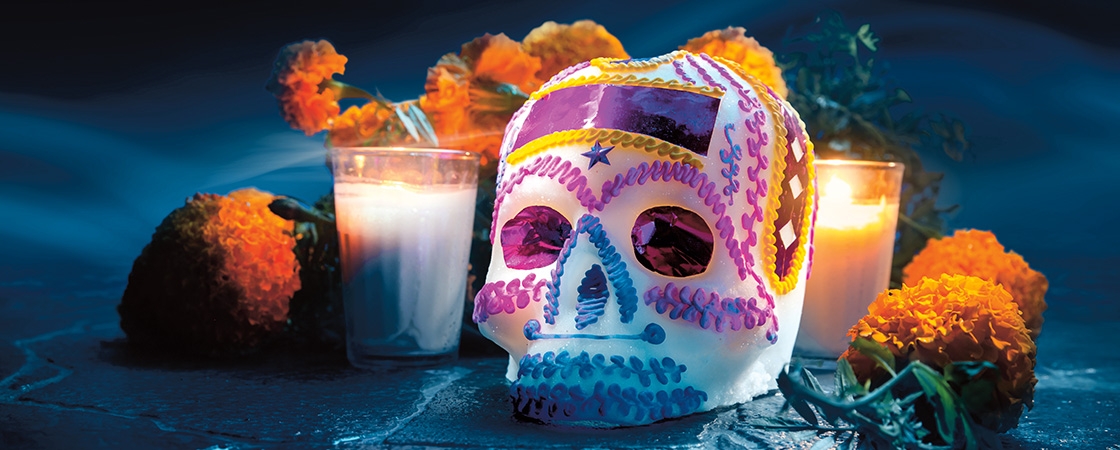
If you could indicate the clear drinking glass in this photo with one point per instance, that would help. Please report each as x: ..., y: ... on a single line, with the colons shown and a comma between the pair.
x: 404, y: 218
x: 853, y: 245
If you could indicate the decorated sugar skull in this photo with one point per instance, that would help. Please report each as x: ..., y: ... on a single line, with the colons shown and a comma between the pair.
x: 652, y: 236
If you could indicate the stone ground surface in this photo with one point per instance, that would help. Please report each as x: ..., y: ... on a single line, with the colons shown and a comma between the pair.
x: 68, y: 381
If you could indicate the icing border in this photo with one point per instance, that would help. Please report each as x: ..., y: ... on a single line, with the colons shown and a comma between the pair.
x: 627, y: 80
x: 636, y: 65
x: 781, y: 285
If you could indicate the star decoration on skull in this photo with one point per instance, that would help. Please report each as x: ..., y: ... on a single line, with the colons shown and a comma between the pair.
x: 597, y: 154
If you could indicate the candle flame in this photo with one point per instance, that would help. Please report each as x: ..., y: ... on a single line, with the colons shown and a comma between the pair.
x: 837, y: 191
x: 359, y: 164
x: 839, y: 210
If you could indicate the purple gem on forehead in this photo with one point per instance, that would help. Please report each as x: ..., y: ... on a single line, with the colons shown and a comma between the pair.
x: 672, y: 241
x: 682, y: 118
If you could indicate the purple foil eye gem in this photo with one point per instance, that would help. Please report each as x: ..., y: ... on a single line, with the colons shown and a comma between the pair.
x: 672, y: 241
x: 533, y: 238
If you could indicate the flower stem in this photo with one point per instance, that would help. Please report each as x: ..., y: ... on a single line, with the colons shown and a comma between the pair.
x: 929, y: 232
x: 343, y: 90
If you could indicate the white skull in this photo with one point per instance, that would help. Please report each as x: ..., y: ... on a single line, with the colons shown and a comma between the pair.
x: 651, y: 239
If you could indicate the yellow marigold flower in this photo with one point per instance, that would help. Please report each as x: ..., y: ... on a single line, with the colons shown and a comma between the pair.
x: 297, y: 80
x: 732, y: 43
x: 560, y: 46
x: 501, y: 59
x: 955, y: 318
x: 978, y: 253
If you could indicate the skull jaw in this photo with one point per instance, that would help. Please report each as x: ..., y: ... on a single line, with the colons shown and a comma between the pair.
x: 616, y: 383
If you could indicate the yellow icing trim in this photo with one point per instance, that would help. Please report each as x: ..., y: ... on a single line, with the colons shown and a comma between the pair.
x: 802, y: 251
x: 777, y: 173
x: 614, y: 137
x: 624, y: 65
x: 627, y: 80
x: 780, y: 284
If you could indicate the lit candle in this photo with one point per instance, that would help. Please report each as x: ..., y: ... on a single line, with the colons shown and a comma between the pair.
x: 404, y: 219
x: 853, y: 246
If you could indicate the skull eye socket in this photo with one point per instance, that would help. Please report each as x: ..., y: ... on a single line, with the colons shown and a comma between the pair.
x: 672, y: 241
x: 533, y: 238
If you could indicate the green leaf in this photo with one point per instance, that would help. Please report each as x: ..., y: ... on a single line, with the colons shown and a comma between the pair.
x: 846, y: 382
x: 962, y: 371
x: 877, y: 352
x: 824, y: 443
x: 975, y: 380
x: 950, y: 411
x: 867, y: 37
x: 810, y: 380
x: 420, y: 119
x: 902, y: 95
x: 795, y: 400
x: 780, y: 422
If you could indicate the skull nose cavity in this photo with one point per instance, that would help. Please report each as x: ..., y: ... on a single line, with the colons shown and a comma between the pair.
x: 593, y: 296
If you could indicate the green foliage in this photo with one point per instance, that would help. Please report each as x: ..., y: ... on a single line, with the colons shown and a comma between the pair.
x: 917, y: 407
x: 315, y: 316
x: 480, y: 253
x: 878, y: 353
x: 851, y: 109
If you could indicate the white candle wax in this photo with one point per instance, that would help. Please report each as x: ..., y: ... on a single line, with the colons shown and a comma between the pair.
x: 404, y: 264
x: 853, y: 246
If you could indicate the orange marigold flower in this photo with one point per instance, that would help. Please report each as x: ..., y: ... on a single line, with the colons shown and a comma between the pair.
x: 258, y: 253
x: 359, y: 126
x: 447, y: 96
x: 498, y: 58
x: 216, y: 278
x: 955, y: 318
x: 732, y: 43
x: 978, y: 253
x: 485, y: 141
x: 297, y: 80
x: 560, y: 46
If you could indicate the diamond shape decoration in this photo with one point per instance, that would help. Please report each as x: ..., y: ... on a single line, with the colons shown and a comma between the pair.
x: 795, y: 188
x: 788, y: 235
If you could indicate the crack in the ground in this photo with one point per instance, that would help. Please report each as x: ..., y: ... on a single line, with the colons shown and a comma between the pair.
x: 13, y: 391
x: 429, y: 392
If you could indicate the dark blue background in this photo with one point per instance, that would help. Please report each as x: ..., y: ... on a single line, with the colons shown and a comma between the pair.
x: 112, y: 115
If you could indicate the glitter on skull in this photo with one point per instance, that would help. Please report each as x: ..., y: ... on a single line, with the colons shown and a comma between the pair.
x: 652, y: 236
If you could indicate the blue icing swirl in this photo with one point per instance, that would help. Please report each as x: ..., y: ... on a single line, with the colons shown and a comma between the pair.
x: 541, y: 392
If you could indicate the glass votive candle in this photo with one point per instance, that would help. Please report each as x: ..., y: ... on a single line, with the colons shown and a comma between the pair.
x: 853, y: 245
x: 404, y: 218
